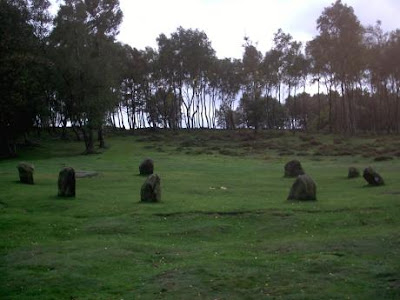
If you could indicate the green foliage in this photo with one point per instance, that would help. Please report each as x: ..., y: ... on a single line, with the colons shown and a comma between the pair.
x: 260, y: 113
x: 223, y: 229
x: 76, y: 73
x: 183, y: 68
x: 23, y: 70
x: 83, y: 46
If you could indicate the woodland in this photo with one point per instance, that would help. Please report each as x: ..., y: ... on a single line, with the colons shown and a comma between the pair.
x: 70, y: 71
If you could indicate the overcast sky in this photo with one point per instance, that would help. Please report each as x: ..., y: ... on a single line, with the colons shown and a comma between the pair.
x: 226, y: 22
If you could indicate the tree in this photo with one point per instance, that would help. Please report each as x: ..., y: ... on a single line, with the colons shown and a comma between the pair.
x: 168, y: 73
x: 278, y: 57
x: 251, y: 101
x: 40, y: 17
x: 22, y: 70
x: 341, y: 36
x: 392, y: 61
x: 227, y: 81
x: 84, y: 42
x: 135, y: 85
x: 184, y: 61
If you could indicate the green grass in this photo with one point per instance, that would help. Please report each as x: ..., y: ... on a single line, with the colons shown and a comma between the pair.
x: 241, y: 241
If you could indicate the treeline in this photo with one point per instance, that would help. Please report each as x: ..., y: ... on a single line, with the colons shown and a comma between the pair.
x: 70, y: 71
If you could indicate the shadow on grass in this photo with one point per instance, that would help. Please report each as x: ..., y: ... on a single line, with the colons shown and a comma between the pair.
x: 372, y: 186
x: 22, y: 184
x: 150, y: 202
x: 55, y: 197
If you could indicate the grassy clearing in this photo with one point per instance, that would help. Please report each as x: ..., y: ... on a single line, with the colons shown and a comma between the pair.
x: 223, y: 230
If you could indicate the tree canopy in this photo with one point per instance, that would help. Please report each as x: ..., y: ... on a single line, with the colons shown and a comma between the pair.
x: 70, y: 71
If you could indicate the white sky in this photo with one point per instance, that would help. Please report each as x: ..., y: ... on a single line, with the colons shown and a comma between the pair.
x: 226, y: 22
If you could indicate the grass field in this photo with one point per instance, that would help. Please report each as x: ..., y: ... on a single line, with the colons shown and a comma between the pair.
x: 223, y: 230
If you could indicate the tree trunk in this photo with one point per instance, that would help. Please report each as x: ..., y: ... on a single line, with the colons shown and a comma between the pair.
x: 7, y: 147
x: 88, y: 138
x: 319, y: 108
x: 78, y: 137
x: 397, y: 111
x: 64, y: 129
x: 12, y: 149
x: 352, y: 113
x: 100, y: 136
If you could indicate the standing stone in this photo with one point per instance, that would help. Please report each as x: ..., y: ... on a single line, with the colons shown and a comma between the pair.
x: 151, y: 189
x: 25, y: 171
x: 146, y: 167
x: 353, y: 173
x: 293, y: 169
x: 372, y: 177
x: 66, y: 182
x: 304, y: 188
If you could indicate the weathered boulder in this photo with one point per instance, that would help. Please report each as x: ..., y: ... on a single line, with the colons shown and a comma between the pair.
x: 293, y: 168
x: 151, y: 189
x: 25, y: 171
x: 146, y: 167
x: 304, y: 188
x: 353, y: 173
x: 66, y: 182
x: 372, y: 177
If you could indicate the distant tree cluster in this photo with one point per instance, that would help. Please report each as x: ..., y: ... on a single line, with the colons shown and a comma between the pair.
x: 70, y: 71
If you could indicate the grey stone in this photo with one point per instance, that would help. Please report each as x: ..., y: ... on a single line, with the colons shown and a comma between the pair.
x: 66, y: 182
x: 25, y: 171
x: 293, y: 168
x: 151, y: 189
x: 353, y: 173
x: 372, y: 177
x: 146, y: 167
x: 304, y: 188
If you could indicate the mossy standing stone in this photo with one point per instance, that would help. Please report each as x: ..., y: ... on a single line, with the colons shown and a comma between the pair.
x: 293, y: 168
x: 66, y: 182
x: 146, y: 167
x: 372, y: 177
x: 151, y: 189
x: 304, y: 188
x: 353, y: 173
x: 25, y: 171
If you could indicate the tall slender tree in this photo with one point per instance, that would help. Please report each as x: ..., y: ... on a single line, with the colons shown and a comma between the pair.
x: 341, y: 35
x: 84, y: 40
